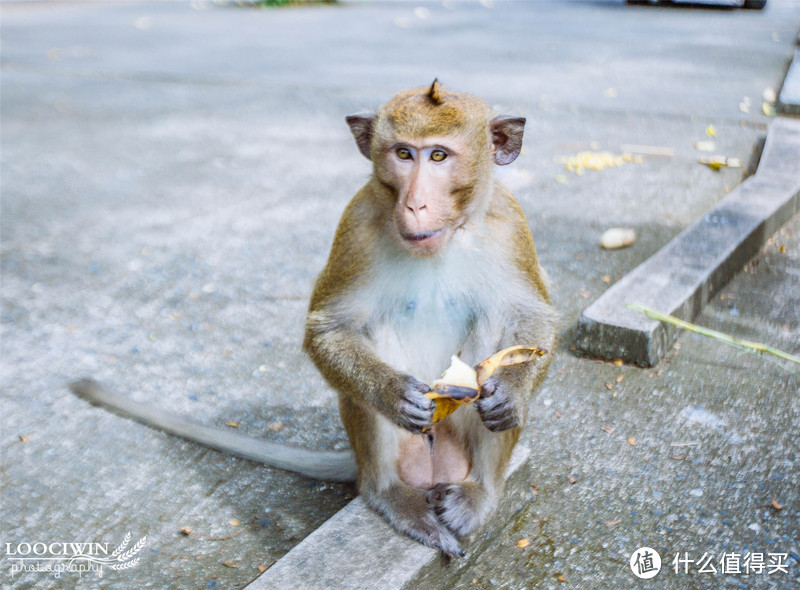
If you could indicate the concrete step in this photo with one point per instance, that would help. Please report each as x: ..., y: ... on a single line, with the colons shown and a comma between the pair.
x: 685, y: 274
x: 357, y: 549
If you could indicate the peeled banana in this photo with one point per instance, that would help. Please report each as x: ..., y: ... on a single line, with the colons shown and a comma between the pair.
x: 460, y: 383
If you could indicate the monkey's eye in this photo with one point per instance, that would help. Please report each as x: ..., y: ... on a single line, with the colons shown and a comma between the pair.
x: 404, y: 153
x: 438, y: 155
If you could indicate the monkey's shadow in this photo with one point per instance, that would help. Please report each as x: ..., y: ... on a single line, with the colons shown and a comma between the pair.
x: 280, y: 507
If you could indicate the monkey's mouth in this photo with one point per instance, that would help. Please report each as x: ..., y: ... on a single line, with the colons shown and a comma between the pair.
x: 423, y: 238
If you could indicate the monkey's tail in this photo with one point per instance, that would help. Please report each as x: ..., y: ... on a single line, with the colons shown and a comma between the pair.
x: 323, y: 465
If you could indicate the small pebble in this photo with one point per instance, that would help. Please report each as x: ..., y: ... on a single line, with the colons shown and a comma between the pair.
x: 617, y: 237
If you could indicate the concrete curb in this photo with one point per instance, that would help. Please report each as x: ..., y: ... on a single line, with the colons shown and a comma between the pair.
x: 789, y: 99
x: 681, y: 277
x: 357, y: 549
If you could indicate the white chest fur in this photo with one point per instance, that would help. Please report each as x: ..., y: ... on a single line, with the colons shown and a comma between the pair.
x: 420, y: 311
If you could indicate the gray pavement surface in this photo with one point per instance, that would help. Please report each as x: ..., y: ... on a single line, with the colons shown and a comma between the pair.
x: 172, y: 174
x: 684, y: 275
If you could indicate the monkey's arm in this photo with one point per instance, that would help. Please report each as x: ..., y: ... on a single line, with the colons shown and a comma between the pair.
x: 334, y: 339
x: 504, y: 396
x: 503, y: 402
x: 347, y: 361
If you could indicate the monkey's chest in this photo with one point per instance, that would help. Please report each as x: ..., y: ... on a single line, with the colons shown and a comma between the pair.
x: 419, y: 331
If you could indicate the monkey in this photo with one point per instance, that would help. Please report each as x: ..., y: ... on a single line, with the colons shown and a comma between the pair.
x: 432, y: 257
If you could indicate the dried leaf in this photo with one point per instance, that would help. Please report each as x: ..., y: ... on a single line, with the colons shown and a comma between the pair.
x: 617, y: 362
x: 573, y: 479
x: 232, y: 424
x: 186, y: 530
x: 561, y: 578
x: 632, y: 441
x: 229, y: 563
x: 609, y: 429
x: 619, y: 378
x: 611, y: 523
x: 24, y: 438
x: 235, y: 522
x: 606, y: 278
x: 262, y: 568
x: 524, y: 542
x: 534, y: 489
x: 276, y: 426
x: 776, y: 505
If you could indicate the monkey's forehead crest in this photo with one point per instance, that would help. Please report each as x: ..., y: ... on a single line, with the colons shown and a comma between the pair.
x: 435, y: 93
x: 433, y: 110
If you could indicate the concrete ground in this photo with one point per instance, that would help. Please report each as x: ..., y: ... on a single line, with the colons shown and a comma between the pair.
x: 172, y: 174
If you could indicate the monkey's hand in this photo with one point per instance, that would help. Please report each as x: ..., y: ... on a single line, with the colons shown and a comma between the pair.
x: 501, y: 403
x: 413, y: 410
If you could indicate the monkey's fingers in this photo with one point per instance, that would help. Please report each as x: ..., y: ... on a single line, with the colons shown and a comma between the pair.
x: 497, y: 412
x: 415, y: 408
x: 508, y: 356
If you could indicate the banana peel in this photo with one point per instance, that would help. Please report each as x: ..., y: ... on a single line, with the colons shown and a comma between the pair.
x: 512, y: 355
x: 460, y: 383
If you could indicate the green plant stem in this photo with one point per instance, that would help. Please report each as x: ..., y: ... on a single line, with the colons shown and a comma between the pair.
x: 755, y: 347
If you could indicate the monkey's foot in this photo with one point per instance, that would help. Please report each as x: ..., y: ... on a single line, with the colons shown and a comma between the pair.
x: 457, y: 506
x: 407, y: 510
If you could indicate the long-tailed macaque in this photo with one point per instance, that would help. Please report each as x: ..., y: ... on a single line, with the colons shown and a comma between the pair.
x: 432, y: 257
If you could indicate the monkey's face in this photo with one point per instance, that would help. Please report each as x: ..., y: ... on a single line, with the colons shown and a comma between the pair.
x: 432, y: 152
x: 427, y: 178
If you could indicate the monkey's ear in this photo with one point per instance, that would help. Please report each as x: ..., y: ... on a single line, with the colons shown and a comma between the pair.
x: 506, y: 138
x: 361, y: 128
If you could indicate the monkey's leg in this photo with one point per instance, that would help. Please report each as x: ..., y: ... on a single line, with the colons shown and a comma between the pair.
x: 464, y: 506
x: 407, y: 509
x: 376, y: 443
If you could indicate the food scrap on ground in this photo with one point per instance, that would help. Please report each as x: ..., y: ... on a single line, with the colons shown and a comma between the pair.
x: 594, y: 160
x: 617, y: 237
